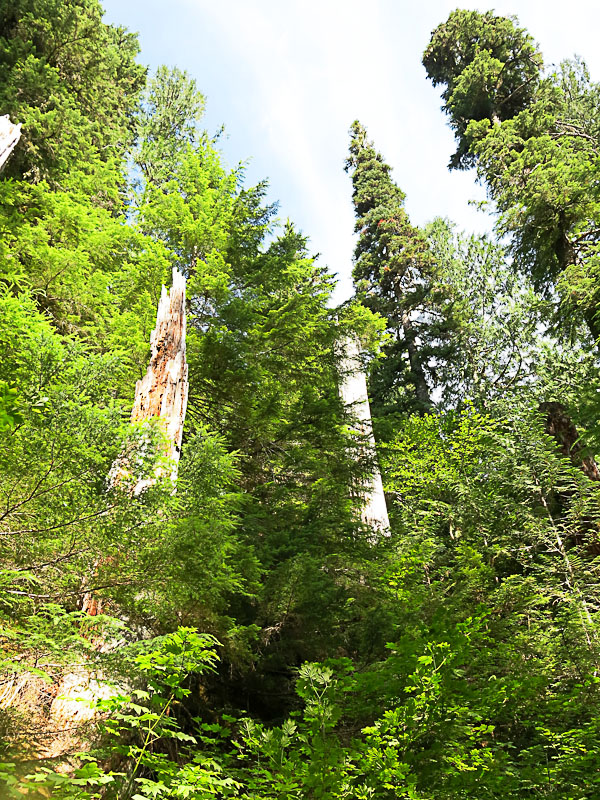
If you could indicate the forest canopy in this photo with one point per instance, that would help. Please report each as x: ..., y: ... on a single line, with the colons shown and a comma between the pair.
x: 248, y: 631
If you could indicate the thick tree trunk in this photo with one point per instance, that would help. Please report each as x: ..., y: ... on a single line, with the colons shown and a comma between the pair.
x: 9, y: 137
x: 560, y: 426
x: 161, y: 395
x: 353, y: 392
x: 163, y: 392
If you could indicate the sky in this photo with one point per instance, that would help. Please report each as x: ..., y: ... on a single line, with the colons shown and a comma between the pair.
x: 288, y: 77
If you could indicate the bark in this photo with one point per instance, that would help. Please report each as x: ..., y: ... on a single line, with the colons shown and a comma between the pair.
x: 163, y: 392
x: 162, y: 396
x: 560, y: 426
x: 416, y: 368
x: 9, y: 137
x: 353, y: 392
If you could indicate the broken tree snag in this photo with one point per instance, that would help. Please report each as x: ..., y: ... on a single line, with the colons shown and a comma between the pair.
x: 162, y: 394
x: 9, y: 137
x: 353, y: 392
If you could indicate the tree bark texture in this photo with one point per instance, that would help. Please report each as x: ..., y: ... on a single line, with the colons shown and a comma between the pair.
x: 163, y: 392
x: 353, y: 392
x: 161, y: 395
x: 562, y: 429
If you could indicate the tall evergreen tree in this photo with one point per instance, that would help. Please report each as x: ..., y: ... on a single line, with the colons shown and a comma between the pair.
x: 394, y: 275
x: 73, y: 82
x: 490, y: 69
x: 167, y: 123
x: 533, y: 137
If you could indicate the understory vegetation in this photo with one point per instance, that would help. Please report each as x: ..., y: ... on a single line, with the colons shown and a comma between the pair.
x: 250, y: 636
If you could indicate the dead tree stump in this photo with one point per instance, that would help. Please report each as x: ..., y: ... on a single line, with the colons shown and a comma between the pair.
x: 161, y: 396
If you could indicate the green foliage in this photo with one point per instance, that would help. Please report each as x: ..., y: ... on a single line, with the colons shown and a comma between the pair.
x: 456, y: 658
x: 533, y: 140
x: 489, y: 68
x: 73, y: 83
x: 494, y: 520
x: 304, y: 756
x: 9, y: 407
x: 168, y: 120
x: 147, y: 719
x: 394, y: 276
x: 498, y: 324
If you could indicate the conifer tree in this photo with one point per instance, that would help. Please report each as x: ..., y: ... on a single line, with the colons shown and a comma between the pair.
x: 72, y: 81
x: 168, y: 123
x: 533, y: 136
x: 490, y: 69
x: 393, y: 275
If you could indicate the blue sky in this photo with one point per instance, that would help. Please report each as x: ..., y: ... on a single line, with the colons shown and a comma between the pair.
x: 287, y: 77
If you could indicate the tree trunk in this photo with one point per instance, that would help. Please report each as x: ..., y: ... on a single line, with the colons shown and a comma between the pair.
x: 416, y: 368
x: 560, y: 426
x: 353, y: 392
x: 161, y: 395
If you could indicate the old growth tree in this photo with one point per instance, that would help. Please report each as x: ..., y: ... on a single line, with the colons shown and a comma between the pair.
x: 271, y: 647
